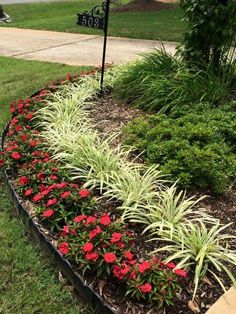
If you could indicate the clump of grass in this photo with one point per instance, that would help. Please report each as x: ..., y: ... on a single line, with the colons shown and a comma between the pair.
x: 160, y: 82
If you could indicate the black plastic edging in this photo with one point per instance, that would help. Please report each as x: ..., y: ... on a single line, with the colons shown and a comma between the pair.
x: 64, y: 265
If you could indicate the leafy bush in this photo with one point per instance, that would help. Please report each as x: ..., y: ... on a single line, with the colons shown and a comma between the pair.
x: 198, y: 149
x: 160, y: 81
x: 212, y: 28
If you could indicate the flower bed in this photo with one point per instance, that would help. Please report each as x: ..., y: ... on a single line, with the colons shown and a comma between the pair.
x: 99, y: 243
x: 87, y: 231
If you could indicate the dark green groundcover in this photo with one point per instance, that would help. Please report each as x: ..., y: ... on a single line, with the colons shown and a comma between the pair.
x: 197, y: 148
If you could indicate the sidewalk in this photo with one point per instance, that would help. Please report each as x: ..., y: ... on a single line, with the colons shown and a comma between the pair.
x: 72, y: 49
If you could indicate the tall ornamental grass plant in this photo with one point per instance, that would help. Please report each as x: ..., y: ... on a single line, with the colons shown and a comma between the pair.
x: 162, y: 82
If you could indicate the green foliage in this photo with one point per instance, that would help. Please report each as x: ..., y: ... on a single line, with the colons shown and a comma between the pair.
x: 160, y: 279
x: 212, y: 29
x: 197, y: 148
x: 160, y: 81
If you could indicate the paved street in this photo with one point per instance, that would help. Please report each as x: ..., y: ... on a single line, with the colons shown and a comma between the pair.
x: 72, y: 49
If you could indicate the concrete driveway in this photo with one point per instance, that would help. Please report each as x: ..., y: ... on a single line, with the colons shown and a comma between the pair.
x: 72, y: 49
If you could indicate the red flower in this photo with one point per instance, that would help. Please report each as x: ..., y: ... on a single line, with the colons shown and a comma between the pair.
x: 48, y: 213
x: 37, y: 197
x: 68, y: 76
x: 84, y: 193
x: 1, y: 162
x: 32, y: 143
x: 79, y: 218
x: 64, y: 248
x: 19, y: 128
x: 61, y: 185
x: 46, y: 192
x: 42, y: 187
x: 144, y: 266
x: 29, y: 116
x: 155, y: 260
x: 180, y: 272
x: 52, y: 201
x: 88, y: 247
x: 109, y: 257
x: 65, y: 231
x: 116, y: 236
x: 9, y: 148
x: 92, y: 256
x: 117, y: 272
x: 105, y: 220
x: 54, y: 169
x: 28, y: 192
x: 14, y: 121
x: 145, y: 288
x: 24, y: 180
x: 65, y: 194
x: 16, y: 155
x: 171, y: 265
x: 90, y: 220
x: 24, y: 137
x: 120, y: 244
x: 53, y: 177
x: 40, y: 176
x: 129, y: 255
x: 132, y: 276
x: 93, y: 233
x: 52, y: 187
x: 125, y: 270
x: 20, y: 106
x: 10, y: 133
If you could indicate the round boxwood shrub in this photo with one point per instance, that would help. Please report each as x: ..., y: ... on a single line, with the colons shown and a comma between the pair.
x: 197, y: 148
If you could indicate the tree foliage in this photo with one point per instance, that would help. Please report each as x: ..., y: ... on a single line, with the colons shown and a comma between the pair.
x: 212, y: 29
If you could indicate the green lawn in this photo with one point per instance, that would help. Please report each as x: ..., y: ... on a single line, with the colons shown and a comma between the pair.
x: 28, y: 282
x: 21, y: 78
x: 61, y: 16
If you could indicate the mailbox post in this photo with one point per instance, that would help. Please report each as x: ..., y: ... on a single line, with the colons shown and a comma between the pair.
x: 97, y: 18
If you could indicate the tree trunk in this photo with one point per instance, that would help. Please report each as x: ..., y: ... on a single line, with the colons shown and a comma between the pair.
x: 1, y: 12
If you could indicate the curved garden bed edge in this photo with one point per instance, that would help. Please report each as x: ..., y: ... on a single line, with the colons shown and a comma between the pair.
x: 66, y: 268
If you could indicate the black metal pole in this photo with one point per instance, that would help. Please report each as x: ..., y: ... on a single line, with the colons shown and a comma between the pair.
x: 105, y: 43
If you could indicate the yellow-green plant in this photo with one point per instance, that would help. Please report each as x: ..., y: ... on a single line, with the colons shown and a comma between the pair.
x: 171, y: 210
x: 207, y: 250
x: 135, y: 185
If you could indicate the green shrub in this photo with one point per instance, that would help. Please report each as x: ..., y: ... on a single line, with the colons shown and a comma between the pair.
x: 199, y: 149
x: 160, y: 81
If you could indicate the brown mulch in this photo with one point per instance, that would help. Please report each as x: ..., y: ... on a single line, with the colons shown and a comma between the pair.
x: 142, y: 5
